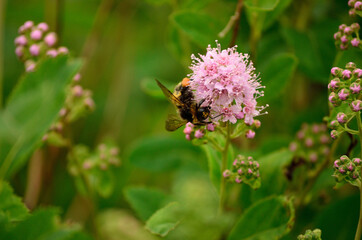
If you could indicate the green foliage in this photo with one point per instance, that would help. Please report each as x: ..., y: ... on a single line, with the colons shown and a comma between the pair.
x: 199, y: 27
x: 11, y: 207
x: 145, y: 201
x: 278, y: 218
x: 31, y: 109
x: 164, y: 220
x: 159, y: 154
x: 277, y: 74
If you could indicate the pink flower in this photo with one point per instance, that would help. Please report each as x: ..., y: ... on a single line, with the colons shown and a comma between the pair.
x: 43, y: 26
x: 346, y: 74
x: 210, y: 127
x: 50, y: 39
x: 36, y: 34
x: 343, y: 94
x: 188, y: 130
x: 199, y: 134
x: 250, y: 134
x: 34, y: 50
x: 52, y: 53
x: 21, y: 40
x: 225, y: 79
x: 356, y: 105
x: 344, y: 39
x: 355, y: 42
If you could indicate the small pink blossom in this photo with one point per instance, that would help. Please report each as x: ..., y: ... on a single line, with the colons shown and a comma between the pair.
x: 356, y: 105
x: 355, y: 42
x: 313, y: 157
x: 63, y: 50
x: 199, y: 134
x: 335, y: 71
x: 341, y: 118
x: 355, y: 88
x: 50, y: 39
x: 210, y: 127
x: 21, y: 40
x: 358, y: 5
x: 36, y: 34
x: 341, y: 170
x: 344, y: 39
x: 77, y: 77
x: 357, y: 72
x: 250, y: 171
x: 343, y: 94
x: 19, y: 51
x: 336, y: 164
x: 188, y: 137
x: 308, y: 142
x: 52, y: 53
x: 240, y: 171
x: 238, y: 179
x: 43, y: 26
x: 188, y: 130
x: 334, y: 84
x: 357, y: 161
x: 226, y: 173
x: 324, y: 139
x: 34, y: 50
x: 346, y: 74
x: 250, y: 134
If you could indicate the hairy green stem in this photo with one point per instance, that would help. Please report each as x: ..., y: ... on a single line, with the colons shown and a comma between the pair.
x: 223, y: 167
x: 359, y: 227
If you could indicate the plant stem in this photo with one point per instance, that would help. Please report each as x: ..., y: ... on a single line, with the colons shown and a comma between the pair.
x: 223, y: 167
x: 2, y: 20
x: 359, y: 227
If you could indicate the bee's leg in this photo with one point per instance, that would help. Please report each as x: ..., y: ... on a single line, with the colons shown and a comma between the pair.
x: 217, y: 116
x: 200, y: 103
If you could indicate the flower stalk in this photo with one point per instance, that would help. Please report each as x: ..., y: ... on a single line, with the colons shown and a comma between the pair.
x: 223, y: 167
x: 359, y: 226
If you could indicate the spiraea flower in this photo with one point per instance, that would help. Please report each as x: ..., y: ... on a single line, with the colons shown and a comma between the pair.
x: 225, y: 80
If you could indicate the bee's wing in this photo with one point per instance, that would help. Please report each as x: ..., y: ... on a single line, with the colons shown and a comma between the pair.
x: 174, y: 122
x: 174, y: 100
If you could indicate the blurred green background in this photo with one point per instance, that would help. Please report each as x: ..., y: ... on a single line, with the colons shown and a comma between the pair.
x: 125, y: 44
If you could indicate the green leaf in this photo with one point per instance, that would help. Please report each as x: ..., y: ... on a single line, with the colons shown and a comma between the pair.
x: 158, y: 2
x: 104, y: 182
x: 37, y: 225
x: 150, y: 87
x: 267, y: 219
x: 162, y: 153
x: 195, y: 4
x: 261, y: 5
x: 145, y: 201
x: 199, y: 27
x: 32, y: 108
x: 271, y: 17
x: 277, y: 74
x: 164, y: 220
x: 213, y: 160
x: 310, y: 61
x: 272, y: 176
x: 11, y: 206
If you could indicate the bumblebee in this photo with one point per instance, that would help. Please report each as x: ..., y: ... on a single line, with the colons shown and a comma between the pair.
x: 189, y: 110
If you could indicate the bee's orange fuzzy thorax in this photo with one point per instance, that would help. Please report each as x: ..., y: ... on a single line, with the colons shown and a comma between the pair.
x: 185, y: 82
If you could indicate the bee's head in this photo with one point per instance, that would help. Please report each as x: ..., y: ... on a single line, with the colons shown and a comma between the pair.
x: 203, y: 113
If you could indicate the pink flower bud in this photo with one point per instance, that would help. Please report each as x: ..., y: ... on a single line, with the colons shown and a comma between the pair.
x: 344, y: 158
x: 77, y: 77
x: 250, y: 171
x: 19, y: 51
x: 358, y: 6
x: 355, y: 26
x: 355, y: 42
x: 199, y: 134
x: 89, y: 103
x: 336, y: 164
x: 333, y: 98
x: 313, y: 157
x: 357, y: 161
x: 43, y: 26
x: 346, y: 74
x: 334, y: 124
x: 226, y: 173
x: 356, y: 105
x: 348, y: 31
x: 50, y: 39
x: 235, y: 162
x: 63, y: 112
x: 240, y: 171
x: 34, y: 50
x: 189, y: 124
x: 257, y: 124
x: 188, y: 137
x: 351, y: 3
x: 343, y: 94
x: 239, y: 115
x: 344, y: 39
x: 341, y: 170
x: 342, y: 118
x: 63, y: 50
x: 334, y: 84
x: 324, y: 139
x: 337, y: 35
x: 357, y: 72
x: 309, y: 142
x: 335, y: 71
x: 350, y: 167
x: 300, y: 134
x: 352, y: 12
x: 44, y: 138
x: 343, y: 46
x: 210, y: 127
x: 187, y: 130
x: 293, y: 146
x: 250, y: 134
x: 342, y: 26
x: 52, y: 53
x: 28, y: 24
x: 21, y: 40
x: 238, y: 179
x: 36, y: 34
x: 29, y: 66
x: 334, y: 134
x: 256, y: 164
x: 77, y: 91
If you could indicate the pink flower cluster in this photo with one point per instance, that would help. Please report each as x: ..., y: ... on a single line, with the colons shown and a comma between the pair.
x: 191, y: 132
x: 225, y: 81
x: 356, y: 7
x: 347, y: 35
x: 34, y: 42
x: 244, y: 170
x: 312, y: 143
x: 346, y: 169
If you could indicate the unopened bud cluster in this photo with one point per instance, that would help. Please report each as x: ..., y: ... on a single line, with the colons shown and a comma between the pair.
x: 191, y: 131
x: 311, y: 143
x: 347, y: 36
x: 244, y: 170
x: 101, y: 159
x: 316, y: 234
x: 347, y: 170
x: 356, y: 7
x: 35, y: 42
x: 78, y: 103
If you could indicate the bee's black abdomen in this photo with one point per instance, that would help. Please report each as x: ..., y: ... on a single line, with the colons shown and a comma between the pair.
x: 185, y: 113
